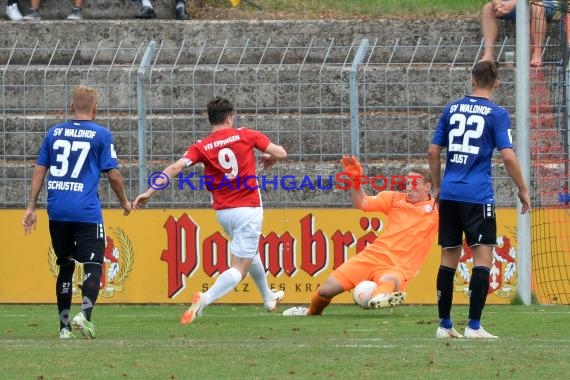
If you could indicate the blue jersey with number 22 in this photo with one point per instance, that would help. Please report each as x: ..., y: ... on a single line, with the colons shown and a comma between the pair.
x: 471, y: 128
x: 76, y: 152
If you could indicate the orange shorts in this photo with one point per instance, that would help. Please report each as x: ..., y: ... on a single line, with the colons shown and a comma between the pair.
x: 370, y: 266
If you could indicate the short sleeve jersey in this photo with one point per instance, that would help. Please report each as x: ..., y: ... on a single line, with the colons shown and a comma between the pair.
x: 76, y: 152
x: 410, y: 229
x: 471, y: 128
x: 229, y: 166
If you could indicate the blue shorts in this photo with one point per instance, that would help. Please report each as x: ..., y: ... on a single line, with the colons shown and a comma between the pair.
x: 512, y: 16
x: 550, y: 9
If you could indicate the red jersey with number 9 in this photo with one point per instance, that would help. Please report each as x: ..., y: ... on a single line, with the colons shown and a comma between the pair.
x: 229, y: 166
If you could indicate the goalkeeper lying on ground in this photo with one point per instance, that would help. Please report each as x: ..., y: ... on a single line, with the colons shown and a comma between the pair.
x: 396, y: 255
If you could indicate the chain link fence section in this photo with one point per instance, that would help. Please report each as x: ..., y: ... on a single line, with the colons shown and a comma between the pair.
x: 298, y: 93
x: 36, y: 87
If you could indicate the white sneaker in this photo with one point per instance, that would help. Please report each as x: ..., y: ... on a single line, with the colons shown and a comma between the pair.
x: 272, y: 305
x: 297, y: 311
x: 195, y: 310
x: 33, y: 15
x: 76, y: 14
x: 480, y: 333
x: 387, y: 300
x: 65, y: 333
x: 13, y: 12
x: 443, y: 333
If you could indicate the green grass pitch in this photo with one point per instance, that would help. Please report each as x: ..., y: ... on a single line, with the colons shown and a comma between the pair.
x: 245, y: 342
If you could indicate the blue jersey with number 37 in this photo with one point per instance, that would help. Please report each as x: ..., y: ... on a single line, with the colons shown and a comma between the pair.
x: 76, y: 152
x: 471, y: 128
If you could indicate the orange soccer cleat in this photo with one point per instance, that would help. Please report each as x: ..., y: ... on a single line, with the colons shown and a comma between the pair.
x: 195, y: 310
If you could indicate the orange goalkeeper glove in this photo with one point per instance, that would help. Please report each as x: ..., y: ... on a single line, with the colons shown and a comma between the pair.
x: 352, y: 167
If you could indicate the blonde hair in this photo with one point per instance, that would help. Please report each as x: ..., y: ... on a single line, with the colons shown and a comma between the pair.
x: 84, y: 98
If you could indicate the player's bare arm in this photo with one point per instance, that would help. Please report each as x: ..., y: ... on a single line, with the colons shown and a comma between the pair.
x: 170, y: 171
x: 434, y: 159
x: 272, y: 154
x: 30, y: 218
x: 514, y: 170
x: 359, y: 198
x: 116, y: 181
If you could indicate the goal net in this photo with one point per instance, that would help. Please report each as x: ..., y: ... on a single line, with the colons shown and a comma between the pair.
x: 549, y: 182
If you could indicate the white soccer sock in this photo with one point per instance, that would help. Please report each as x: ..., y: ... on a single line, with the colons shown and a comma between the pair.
x: 146, y: 3
x: 223, y: 285
x: 257, y: 272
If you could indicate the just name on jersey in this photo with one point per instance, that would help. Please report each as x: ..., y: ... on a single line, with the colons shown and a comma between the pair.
x: 459, y: 158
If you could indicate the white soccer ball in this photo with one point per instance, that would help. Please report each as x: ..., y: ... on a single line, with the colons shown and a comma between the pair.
x: 363, y: 293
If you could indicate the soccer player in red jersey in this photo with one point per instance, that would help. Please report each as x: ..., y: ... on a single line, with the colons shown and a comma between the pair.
x: 229, y: 169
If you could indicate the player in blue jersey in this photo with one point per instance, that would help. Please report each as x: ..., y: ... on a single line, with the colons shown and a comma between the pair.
x: 470, y: 129
x: 73, y: 155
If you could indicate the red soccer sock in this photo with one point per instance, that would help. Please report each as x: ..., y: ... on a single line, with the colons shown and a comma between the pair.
x: 318, y: 304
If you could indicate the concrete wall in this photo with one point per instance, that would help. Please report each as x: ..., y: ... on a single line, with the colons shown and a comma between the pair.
x: 412, y: 69
x: 131, y: 32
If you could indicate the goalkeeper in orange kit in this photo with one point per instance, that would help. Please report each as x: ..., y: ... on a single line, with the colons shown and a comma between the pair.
x: 396, y: 255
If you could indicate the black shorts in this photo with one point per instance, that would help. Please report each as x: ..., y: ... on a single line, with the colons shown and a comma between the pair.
x: 83, y: 242
x: 478, y: 221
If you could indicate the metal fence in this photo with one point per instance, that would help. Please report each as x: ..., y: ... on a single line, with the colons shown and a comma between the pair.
x: 299, y: 93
